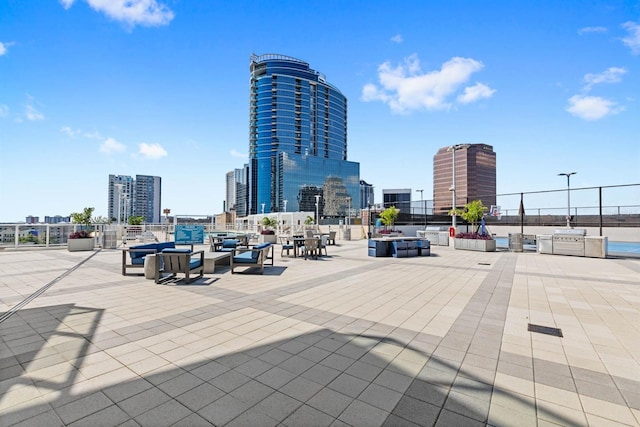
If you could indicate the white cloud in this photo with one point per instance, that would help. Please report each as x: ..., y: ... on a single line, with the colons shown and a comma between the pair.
x: 92, y: 135
x: 70, y: 132
x: 66, y: 3
x: 588, y: 30
x: 152, y: 151
x: 632, y: 41
x: 475, y: 93
x: 32, y: 113
x: 4, y: 110
x: 592, y: 107
x: 237, y: 154
x: 610, y: 75
x: 3, y: 48
x: 131, y: 12
x: 397, y: 38
x: 406, y: 87
x: 110, y: 146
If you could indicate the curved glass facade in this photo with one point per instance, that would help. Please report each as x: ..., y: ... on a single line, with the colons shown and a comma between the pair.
x: 294, y: 111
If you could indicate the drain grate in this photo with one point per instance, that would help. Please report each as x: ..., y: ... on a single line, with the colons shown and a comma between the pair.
x: 547, y: 330
x: 483, y: 263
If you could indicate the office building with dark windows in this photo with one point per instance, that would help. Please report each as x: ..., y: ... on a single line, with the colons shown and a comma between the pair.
x: 297, y: 141
x: 134, y: 197
x: 399, y: 198
x: 475, y: 171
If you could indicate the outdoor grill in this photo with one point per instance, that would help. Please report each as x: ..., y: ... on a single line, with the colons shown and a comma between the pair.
x: 437, y: 235
x: 569, y: 241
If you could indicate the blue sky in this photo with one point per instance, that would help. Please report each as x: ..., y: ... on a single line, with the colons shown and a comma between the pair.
x: 90, y: 88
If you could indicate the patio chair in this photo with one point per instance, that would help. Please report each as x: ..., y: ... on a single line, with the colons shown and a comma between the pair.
x: 332, y: 238
x: 286, y: 245
x: 324, y: 240
x: 310, y: 248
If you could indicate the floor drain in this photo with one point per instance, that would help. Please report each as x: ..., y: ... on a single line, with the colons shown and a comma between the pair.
x: 547, y: 330
x: 483, y: 263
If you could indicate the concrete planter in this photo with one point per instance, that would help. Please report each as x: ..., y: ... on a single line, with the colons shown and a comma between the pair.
x: 75, y: 245
x: 267, y: 238
x: 475, y: 245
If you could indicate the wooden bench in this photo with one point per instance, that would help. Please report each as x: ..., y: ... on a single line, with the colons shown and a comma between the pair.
x: 179, y: 261
x: 257, y: 256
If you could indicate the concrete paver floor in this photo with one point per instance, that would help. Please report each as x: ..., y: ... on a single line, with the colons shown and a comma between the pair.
x: 342, y: 340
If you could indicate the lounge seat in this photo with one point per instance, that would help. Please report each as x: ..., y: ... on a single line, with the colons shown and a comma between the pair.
x: 254, y: 257
x: 137, y: 254
x: 179, y: 261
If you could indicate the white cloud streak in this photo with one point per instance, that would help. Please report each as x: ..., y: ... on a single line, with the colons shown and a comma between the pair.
x: 111, y: 146
x: 632, y: 41
x: 592, y: 107
x: 591, y: 30
x: 4, y: 111
x: 406, y: 87
x: 475, y: 93
x: 131, y: 12
x: 397, y: 38
x: 3, y: 48
x: 152, y: 151
x: 32, y: 114
x: 610, y: 75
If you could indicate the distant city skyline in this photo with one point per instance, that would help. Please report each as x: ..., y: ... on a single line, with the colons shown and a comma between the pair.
x: 161, y: 90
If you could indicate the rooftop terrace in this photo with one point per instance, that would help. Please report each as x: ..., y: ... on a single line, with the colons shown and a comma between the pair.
x: 343, y: 340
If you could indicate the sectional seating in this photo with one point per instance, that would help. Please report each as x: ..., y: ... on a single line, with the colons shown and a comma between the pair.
x: 133, y: 257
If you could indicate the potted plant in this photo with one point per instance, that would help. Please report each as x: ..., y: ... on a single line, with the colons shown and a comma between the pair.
x: 474, y: 241
x: 388, y: 218
x: 268, y: 234
x: 82, y: 239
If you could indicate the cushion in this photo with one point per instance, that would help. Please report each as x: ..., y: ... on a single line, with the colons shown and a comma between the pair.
x: 165, y: 245
x: 194, y: 263
x: 137, y: 261
x: 246, y: 258
x: 262, y: 245
x: 229, y: 243
x: 177, y: 250
x: 141, y: 254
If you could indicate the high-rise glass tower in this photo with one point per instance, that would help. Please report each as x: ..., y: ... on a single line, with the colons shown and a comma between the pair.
x: 298, y: 140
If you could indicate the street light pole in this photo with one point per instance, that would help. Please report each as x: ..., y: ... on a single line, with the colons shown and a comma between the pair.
x: 285, y: 204
x: 425, y: 210
x: 568, y: 175
x: 317, y: 196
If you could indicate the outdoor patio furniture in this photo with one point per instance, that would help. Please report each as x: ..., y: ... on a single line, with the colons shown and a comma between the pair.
x: 256, y: 256
x: 287, y: 245
x: 332, y: 238
x: 324, y: 239
x: 179, y: 261
x: 137, y: 254
x: 311, y: 247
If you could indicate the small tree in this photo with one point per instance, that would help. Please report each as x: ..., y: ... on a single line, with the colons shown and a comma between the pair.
x: 135, y: 220
x: 309, y: 220
x: 388, y: 216
x: 472, y: 212
x: 83, y: 218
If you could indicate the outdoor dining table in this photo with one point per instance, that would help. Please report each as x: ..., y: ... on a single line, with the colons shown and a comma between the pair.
x: 298, y: 243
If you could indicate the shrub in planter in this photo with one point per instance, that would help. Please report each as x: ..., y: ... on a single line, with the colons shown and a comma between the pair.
x: 267, y: 232
x: 474, y: 236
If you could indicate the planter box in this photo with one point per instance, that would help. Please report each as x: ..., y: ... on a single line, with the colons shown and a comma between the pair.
x: 267, y: 238
x: 475, y: 245
x: 75, y: 245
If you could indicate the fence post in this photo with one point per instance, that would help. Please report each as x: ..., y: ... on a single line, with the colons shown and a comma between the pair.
x: 600, y: 209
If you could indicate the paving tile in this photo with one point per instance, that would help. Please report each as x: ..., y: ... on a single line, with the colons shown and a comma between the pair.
x: 296, y: 365
x: 165, y: 414
x: 229, y: 381
x: 142, y: 402
x: 349, y: 385
x: 330, y: 402
x: 428, y: 392
x: 180, y: 384
x: 83, y: 407
x: 321, y: 374
x: 223, y: 410
x: 305, y: 415
x: 416, y: 411
x: 394, y: 381
x: 448, y: 418
x: 301, y: 388
x: 193, y: 420
x: 363, y: 414
x: 380, y: 397
x: 200, y: 396
x: 467, y: 406
x: 278, y: 406
x: 252, y: 392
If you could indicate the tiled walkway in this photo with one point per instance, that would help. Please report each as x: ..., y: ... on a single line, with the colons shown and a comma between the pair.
x: 343, y: 340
